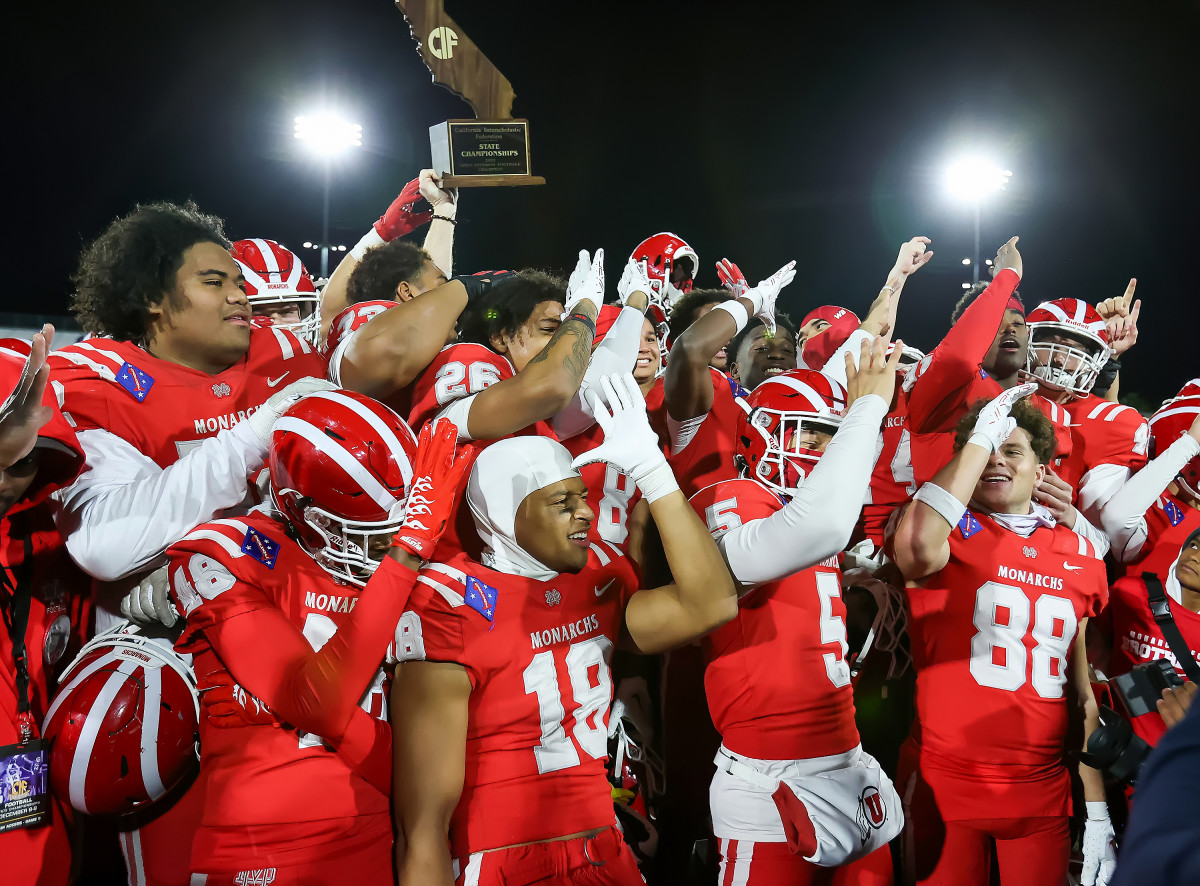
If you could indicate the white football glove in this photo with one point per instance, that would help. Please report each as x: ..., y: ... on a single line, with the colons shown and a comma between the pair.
x: 766, y: 292
x: 586, y: 281
x: 263, y: 418
x: 994, y: 424
x: 149, y: 603
x: 1099, y: 851
x: 633, y: 279
x: 629, y: 443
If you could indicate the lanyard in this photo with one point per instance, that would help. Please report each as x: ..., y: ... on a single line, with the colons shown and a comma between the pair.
x: 16, y: 619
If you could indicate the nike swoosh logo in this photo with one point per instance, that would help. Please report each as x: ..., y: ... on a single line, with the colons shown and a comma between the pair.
x: 271, y: 382
x: 600, y: 591
x: 1067, y: 565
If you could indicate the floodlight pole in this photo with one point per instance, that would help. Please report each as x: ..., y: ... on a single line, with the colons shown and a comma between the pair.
x: 975, y: 264
x: 325, y: 226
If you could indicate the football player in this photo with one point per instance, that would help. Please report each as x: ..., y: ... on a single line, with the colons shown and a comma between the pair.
x: 173, y: 408
x: 289, y: 616
x: 279, y: 287
x: 691, y: 308
x: 1154, y: 521
x: 503, y: 692
x: 43, y: 596
x: 419, y: 267
x: 795, y: 796
x: 999, y: 596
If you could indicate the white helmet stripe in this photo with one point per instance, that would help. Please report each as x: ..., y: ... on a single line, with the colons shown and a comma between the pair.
x: 91, y: 728
x: 385, y: 433
x: 151, y: 708
x: 344, y: 459
x: 1055, y: 310
x: 268, y: 255
x: 65, y: 691
x: 1178, y: 410
x: 1080, y: 310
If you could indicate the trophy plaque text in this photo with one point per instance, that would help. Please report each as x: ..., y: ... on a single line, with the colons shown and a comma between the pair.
x: 491, y: 150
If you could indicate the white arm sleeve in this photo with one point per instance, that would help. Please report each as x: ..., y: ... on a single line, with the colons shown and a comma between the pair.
x: 1092, y: 533
x: 818, y: 522
x: 616, y: 353
x: 459, y: 412
x: 124, y: 510
x: 835, y: 366
x: 1124, y: 515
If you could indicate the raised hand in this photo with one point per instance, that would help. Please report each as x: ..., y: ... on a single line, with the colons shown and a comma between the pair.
x: 1120, y: 316
x: 481, y: 281
x: 23, y: 413
x: 1008, y: 257
x: 634, y: 282
x: 437, y: 475
x: 401, y: 217
x: 732, y: 278
x: 432, y: 190
x: 876, y: 372
x: 629, y: 443
x: 912, y: 257
x: 586, y: 281
x: 994, y: 424
x: 764, y: 295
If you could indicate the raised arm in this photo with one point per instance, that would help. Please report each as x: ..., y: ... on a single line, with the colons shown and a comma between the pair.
x: 687, y: 385
x: 922, y: 539
x: 23, y: 413
x: 702, y: 597
x: 401, y: 218
x: 818, y: 522
x: 429, y: 740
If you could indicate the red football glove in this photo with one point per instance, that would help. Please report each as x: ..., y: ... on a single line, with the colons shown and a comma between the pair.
x: 400, y: 219
x: 732, y: 278
x: 437, y: 475
x: 227, y: 705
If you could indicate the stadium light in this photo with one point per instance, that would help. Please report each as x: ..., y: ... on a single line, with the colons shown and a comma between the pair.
x: 966, y: 261
x: 970, y: 180
x: 327, y: 133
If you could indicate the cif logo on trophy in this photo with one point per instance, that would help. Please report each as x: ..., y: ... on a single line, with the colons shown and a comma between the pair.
x: 491, y: 150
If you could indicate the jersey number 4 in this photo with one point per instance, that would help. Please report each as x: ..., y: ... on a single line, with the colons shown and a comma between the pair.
x: 591, y: 697
x: 999, y: 659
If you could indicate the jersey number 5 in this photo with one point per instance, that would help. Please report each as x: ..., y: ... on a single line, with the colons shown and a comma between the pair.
x: 555, y: 750
x: 999, y: 659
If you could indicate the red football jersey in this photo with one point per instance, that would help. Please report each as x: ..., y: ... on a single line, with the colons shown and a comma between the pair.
x: 991, y: 637
x: 708, y: 457
x: 352, y: 318
x: 163, y: 409
x: 892, y: 482
x: 777, y: 682
x: 1136, y: 638
x: 459, y: 370
x: 538, y: 656
x: 266, y: 773
x: 1109, y: 443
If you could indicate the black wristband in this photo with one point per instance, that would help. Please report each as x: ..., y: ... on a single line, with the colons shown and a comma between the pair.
x: 1106, y: 376
x: 585, y: 319
x: 445, y: 218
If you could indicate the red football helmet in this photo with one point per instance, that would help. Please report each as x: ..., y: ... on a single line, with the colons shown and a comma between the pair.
x: 123, y: 728
x: 275, y: 279
x: 774, y: 438
x: 1167, y: 425
x: 341, y: 467
x: 1073, y: 364
x: 909, y: 356
x: 664, y: 254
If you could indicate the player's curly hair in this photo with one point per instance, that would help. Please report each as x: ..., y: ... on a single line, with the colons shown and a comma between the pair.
x: 1042, y: 441
x: 782, y: 321
x: 132, y: 265
x: 382, y: 269
x: 508, y: 305
x: 683, y: 312
x: 973, y: 293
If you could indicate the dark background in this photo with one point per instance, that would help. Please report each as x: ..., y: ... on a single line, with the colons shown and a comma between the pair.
x: 760, y: 131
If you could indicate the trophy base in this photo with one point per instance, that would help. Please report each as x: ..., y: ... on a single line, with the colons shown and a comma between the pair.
x: 490, y: 181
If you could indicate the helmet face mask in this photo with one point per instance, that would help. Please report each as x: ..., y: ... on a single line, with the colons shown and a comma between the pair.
x: 351, y: 550
x: 277, y: 280
x: 671, y: 265
x: 791, y: 419
x: 1068, y: 345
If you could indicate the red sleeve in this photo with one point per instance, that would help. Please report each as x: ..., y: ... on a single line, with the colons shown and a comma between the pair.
x: 366, y: 747
x: 458, y: 371
x: 438, y: 626
x: 941, y: 378
x: 316, y: 691
x: 1118, y: 436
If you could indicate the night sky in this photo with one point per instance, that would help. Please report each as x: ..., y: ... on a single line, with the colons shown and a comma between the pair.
x: 817, y: 132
